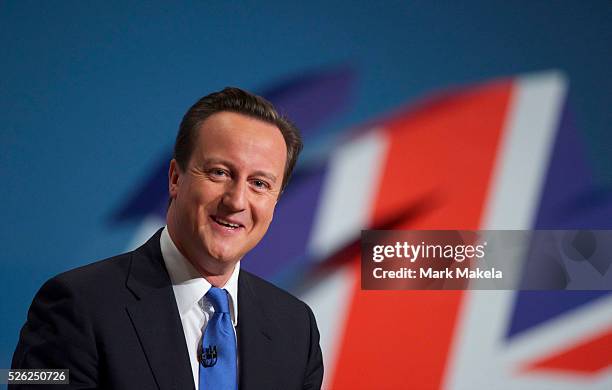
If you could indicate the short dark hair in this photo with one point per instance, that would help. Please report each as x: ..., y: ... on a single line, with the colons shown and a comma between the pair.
x: 242, y: 102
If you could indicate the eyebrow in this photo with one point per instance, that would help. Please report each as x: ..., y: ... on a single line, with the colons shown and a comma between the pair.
x: 267, y: 175
x: 212, y: 161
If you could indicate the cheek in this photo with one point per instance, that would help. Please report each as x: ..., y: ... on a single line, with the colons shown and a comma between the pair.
x: 196, y: 205
x: 264, y: 213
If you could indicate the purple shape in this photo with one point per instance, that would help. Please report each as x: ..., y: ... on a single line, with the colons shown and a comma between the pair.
x: 311, y: 99
x: 571, y: 200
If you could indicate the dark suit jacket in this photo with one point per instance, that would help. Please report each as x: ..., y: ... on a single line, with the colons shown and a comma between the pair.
x: 115, y: 324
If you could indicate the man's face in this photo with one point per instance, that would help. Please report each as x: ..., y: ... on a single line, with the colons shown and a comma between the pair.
x: 223, y: 201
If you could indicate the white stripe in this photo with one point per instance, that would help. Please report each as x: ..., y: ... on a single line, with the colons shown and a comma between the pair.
x: 525, y: 148
x: 348, y: 192
x: 149, y: 225
x: 330, y: 300
x: 479, y: 358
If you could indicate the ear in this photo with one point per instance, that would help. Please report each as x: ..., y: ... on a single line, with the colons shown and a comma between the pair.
x: 174, y: 174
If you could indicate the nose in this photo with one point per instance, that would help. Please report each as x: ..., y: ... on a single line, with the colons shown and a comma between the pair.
x: 234, y: 198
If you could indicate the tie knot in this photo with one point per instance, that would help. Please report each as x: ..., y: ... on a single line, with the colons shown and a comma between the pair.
x: 218, y: 298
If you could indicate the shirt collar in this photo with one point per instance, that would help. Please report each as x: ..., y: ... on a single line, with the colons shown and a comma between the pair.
x: 188, y: 285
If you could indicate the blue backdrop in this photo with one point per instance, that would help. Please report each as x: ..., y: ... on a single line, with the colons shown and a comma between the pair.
x: 91, y: 94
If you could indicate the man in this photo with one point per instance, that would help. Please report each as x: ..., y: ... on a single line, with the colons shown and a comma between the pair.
x: 162, y: 315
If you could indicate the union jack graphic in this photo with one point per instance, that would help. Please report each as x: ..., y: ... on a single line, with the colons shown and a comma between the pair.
x: 503, y: 154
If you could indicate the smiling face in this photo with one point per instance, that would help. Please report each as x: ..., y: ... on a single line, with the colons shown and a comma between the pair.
x: 223, y: 200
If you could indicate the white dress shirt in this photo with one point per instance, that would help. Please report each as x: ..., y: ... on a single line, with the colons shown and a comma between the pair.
x: 189, y: 291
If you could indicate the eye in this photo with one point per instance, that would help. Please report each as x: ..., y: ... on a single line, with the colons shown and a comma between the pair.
x: 260, y: 184
x: 217, y: 173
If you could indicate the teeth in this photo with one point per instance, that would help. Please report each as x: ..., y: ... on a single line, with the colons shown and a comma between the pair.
x: 228, y: 224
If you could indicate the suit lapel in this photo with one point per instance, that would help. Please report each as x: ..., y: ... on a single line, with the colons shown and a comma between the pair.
x: 156, y: 319
x: 255, y: 331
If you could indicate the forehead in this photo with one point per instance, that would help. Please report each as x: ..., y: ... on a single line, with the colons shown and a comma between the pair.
x: 244, y: 140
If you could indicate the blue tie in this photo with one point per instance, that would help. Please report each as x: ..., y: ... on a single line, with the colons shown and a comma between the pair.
x: 218, y: 349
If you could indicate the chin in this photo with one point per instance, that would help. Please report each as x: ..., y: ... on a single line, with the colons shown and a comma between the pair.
x: 224, y: 257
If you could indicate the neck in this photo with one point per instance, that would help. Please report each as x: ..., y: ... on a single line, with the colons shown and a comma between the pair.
x: 218, y: 280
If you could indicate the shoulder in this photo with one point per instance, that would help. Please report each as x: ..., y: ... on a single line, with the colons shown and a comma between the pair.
x: 276, y: 301
x: 80, y: 297
x: 103, y: 274
x: 61, y: 319
x: 264, y: 289
x: 110, y: 276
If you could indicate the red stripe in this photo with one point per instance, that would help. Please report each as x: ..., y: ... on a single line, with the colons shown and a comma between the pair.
x: 441, y: 157
x: 593, y: 355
